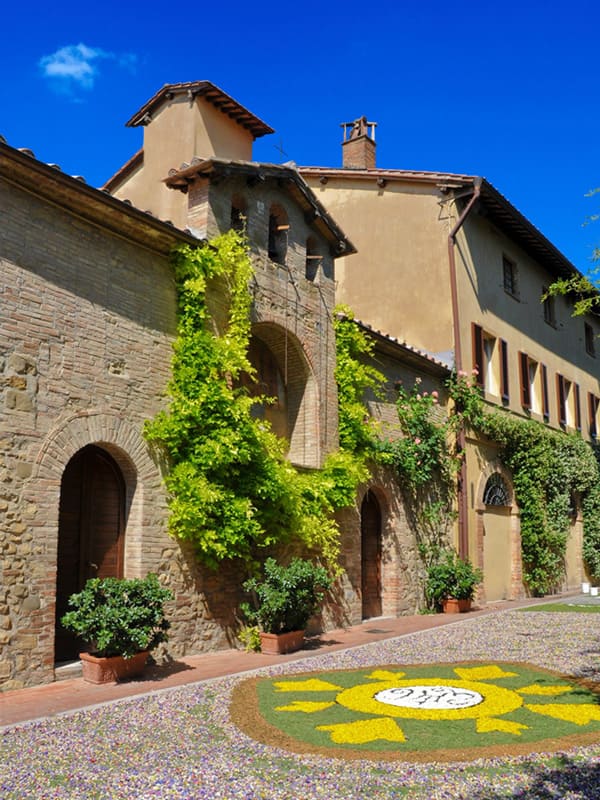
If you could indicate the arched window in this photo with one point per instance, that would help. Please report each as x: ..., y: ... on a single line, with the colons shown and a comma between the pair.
x: 278, y: 234
x: 313, y: 259
x: 495, y: 492
x: 239, y: 213
x: 269, y: 382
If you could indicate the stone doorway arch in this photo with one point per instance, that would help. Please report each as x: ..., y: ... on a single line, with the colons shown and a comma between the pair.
x: 499, y: 535
x: 91, y: 530
x: 371, y: 548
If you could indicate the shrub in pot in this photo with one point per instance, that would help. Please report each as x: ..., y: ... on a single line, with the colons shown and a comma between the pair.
x: 122, y: 620
x: 451, y: 577
x: 284, y: 600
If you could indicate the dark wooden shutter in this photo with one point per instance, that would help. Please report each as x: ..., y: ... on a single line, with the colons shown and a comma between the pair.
x: 545, y: 397
x: 477, y: 336
x: 560, y: 396
x: 577, y: 407
x: 524, y: 373
x: 592, y: 409
x: 504, y: 390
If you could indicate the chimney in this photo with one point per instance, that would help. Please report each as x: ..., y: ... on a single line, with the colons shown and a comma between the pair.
x: 358, y: 146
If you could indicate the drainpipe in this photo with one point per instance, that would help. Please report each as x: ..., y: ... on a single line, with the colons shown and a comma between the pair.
x: 463, y: 533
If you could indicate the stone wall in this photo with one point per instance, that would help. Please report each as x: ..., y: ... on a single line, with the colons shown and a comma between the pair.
x: 292, y: 314
x: 85, y: 352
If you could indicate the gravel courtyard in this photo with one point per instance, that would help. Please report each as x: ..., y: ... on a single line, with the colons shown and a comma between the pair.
x: 180, y: 743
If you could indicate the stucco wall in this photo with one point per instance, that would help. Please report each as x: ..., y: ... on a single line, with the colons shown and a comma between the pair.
x: 520, y: 320
x: 177, y: 133
x: 400, y: 233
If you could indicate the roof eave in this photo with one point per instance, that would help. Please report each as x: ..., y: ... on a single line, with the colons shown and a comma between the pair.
x: 217, y: 97
x: 295, y: 184
x: 95, y: 206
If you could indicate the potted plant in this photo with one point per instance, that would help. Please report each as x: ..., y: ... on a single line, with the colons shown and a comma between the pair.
x: 451, y: 583
x: 122, y: 620
x: 284, y: 600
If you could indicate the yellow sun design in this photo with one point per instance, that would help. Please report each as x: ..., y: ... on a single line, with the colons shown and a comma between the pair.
x: 390, y: 696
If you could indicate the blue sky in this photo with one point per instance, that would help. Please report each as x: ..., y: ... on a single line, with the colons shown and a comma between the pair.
x: 504, y: 90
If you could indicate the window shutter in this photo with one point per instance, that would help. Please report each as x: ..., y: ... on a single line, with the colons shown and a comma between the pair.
x: 545, y: 398
x: 477, y: 336
x: 504, y: 371
x: 592, y: 409
x: 524, y: 373
x: 560, y: 395
x: 577, y: 407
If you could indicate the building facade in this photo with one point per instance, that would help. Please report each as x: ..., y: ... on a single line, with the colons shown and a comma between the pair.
x: 445, y: 261
x: 89, y: 317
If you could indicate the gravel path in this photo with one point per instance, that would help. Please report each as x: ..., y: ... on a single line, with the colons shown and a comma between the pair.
x: 180, y: 743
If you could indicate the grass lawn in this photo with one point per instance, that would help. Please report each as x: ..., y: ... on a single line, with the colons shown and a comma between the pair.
x: 572, y: 608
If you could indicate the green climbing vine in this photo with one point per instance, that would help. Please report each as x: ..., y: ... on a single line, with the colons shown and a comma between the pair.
x: 426, y: 459
x: 550, y: 469
x: 356, y: 378
x: 232, y: 492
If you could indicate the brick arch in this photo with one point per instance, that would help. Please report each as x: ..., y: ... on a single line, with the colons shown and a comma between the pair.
x: 495, y: 467
x: 302, y: 391
x: 124, y: 442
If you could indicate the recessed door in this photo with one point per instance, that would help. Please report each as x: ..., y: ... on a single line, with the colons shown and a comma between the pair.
x: 90, y: 532
x: 370, y: 525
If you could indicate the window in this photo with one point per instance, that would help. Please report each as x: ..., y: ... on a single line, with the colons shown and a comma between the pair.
x: 490, y: 359
x: 238, y: 213
x: 525, y: 385
x: 569, y: 410
x: 495, y: 492
x: 532, y: 384
x: 593, y: 405
x: 509, y: 277
x: 313, y: 259
x: 278, y: 234
x: 549, y: 309
x: 590, y: 343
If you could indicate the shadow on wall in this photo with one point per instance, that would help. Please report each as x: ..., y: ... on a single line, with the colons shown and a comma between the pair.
x: 206, y: 602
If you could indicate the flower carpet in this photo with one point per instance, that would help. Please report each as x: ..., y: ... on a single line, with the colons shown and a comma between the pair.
x: 191, y: 743
x: 456, y: 712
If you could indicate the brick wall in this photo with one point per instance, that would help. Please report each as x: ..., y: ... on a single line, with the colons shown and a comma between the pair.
x: 292, y: 315
x: 85, y: 352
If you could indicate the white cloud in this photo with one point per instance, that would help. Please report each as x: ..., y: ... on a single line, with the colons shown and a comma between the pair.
x: 76, y: 65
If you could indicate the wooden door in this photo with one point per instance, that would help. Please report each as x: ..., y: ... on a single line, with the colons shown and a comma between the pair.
x: 370, y: 525
x: 90, y: 532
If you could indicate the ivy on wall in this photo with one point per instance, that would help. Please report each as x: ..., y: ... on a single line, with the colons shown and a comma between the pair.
x: 355, y: 378
x: 550, y: 470
x: 232, y: 492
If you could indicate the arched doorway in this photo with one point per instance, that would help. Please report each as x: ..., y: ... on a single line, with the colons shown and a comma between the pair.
x: 497, y: 539
x: 370, y: 530
x: 90, y: 532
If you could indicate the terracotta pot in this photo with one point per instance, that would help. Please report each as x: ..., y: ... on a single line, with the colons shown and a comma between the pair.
x: 111, y: 669
x: 453, y: 606
x: 275, y: 644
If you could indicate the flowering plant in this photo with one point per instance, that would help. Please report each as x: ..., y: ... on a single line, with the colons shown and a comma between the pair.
x: 467, y: 396
x: 419, y: 453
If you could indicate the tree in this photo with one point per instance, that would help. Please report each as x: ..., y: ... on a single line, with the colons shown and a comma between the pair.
x: 584, y: 290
